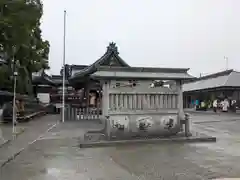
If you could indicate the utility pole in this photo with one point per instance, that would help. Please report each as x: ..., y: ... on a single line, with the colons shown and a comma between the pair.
x: 226, y: 59
x: 63, y: 81
x: 15, y: 73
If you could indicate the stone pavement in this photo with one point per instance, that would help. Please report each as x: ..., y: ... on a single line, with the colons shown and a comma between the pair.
x: 226, y: 129
x: 32, y: 130
x: 6, y: 132
x: 57, y: 156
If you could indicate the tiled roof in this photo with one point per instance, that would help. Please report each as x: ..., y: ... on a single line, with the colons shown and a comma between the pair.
x: 229, y: 78
x: 142, y: 73
x: 41, y: 77
x: 58, y: 79
x: 111, y: 50
x: 106, y: 71
x: 6, y: 93
x: 79, y: 67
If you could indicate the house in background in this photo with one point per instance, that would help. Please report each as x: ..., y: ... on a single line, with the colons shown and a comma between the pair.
x: 43, y: 86
x: 222, y: 84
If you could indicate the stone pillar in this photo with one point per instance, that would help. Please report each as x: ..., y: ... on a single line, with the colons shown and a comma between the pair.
x: 180, y: 99
x: 187, y: 125
x: 182, y: 116
x: 105, y: 98
x: 105, y: 108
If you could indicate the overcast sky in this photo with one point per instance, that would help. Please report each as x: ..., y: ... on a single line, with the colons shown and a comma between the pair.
x: 196, y: 34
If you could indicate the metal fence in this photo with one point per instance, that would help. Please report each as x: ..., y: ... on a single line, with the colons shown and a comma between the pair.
x: 85, y: 113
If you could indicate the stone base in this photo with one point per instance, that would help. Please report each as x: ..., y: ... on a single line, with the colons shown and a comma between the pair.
x: 179, y: 139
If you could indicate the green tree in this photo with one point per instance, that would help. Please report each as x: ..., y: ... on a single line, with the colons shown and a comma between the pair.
x: 20, y: 37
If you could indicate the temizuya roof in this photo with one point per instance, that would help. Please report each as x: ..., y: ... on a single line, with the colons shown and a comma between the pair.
x: 141, y: 73
x: 102, y: 69
x: 112, y: 52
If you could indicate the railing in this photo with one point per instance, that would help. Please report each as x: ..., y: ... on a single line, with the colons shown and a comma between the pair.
x: 135, y: 101
x: 75, y: 113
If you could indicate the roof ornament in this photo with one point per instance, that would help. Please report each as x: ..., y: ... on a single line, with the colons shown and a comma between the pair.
x: 112, y: 48
x: 68, y: 71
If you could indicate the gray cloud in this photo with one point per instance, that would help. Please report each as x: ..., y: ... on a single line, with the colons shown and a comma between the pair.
x: 173, y: 33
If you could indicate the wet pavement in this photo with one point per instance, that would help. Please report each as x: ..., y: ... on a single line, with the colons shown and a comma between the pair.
x: 32, y: 130
x: 6, y: 132
x: 57, y: 155
x: 6, y: 129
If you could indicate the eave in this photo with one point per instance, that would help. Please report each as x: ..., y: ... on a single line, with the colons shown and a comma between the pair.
x: 42, y: 78
x: 220, y: 88
x: 142, y: 73
x: 143, y: 69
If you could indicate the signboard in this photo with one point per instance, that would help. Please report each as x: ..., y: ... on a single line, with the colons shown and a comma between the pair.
x: 44, y: 97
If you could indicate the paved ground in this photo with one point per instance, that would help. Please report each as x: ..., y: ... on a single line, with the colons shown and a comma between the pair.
x: 6, y: 132
x: 32, y: 130
x: 57, y: 156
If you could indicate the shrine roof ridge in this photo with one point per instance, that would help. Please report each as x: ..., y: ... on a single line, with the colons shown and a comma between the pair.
x: 143, y: 69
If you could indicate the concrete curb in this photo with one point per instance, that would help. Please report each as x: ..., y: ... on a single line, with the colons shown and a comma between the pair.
x: 5, y: 143
x: 21, y: 150
x: 210, y: 112
x: 149, y: 141
x: 13, y: 139
x: 215, y: 121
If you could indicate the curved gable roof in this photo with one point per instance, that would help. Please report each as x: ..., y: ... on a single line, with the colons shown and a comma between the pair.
x: 41, y: 77
x: 112, y: 51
